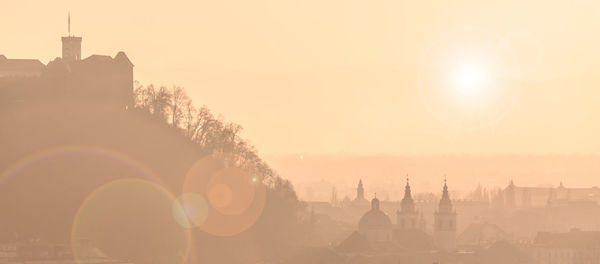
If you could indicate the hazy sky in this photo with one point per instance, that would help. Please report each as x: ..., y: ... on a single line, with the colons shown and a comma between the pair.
x: 342, y: 76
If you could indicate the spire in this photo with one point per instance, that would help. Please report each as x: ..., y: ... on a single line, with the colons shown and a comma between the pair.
x: 408, y: 205
x: 445, y: 195
x: 407, y: 193
x: 69, y: 23
x: 445, y: 203
x: 360, y: 191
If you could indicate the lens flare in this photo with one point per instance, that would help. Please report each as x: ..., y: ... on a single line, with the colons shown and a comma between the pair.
x: 129, y: 219
x: 235, y: 199
x: 220, y: 195
x: 190, y: 210
x: 34, y: 158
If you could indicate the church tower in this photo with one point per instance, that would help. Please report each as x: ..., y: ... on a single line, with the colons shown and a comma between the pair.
x: 445, y: 223
x: 407, y: 217
x: 71, y: 45
x: 360, y: 191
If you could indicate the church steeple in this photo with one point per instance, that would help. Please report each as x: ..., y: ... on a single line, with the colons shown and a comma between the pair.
x: 445, y: 222
x: 408, y: 205
x: 408, y: 216
x: 445, y: 203
x: 360, y: 191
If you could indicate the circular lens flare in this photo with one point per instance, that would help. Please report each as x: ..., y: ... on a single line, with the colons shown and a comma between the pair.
x: 129, y: 219
x: 220, y: 195
x: 190, y: 210
x: 235, y: 199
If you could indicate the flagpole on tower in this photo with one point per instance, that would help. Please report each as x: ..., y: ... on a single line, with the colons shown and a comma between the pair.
x: 69, y: 23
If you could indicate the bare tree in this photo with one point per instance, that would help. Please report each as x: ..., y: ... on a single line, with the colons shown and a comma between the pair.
x: 161, y: 102
x: 179, y: 99
x: 212, y: 135
x: 190, y: 123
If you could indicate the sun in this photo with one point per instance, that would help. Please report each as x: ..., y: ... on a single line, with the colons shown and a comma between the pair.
x: 470, y: 78
x: 464, y: 79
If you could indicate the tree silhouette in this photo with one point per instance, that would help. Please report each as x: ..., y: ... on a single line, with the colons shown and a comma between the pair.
x: 279, y: 229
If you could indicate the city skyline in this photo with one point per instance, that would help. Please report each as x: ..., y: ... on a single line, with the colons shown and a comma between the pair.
x: 300, y: 132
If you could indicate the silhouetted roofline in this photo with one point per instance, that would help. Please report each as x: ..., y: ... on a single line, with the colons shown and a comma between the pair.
x: 20, y: 64
x: 122, y: 56
x: 119, y: 58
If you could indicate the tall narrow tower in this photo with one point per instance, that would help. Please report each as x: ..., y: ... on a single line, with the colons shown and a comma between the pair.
x: 407, y: 217
x: 71, y: 45
x: 360, y: 191
x: 445, y: 223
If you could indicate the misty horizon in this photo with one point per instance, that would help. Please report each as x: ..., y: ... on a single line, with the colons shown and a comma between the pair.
x: 282, y: 132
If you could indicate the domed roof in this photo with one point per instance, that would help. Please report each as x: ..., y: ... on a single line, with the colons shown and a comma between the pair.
x: 375, y: 218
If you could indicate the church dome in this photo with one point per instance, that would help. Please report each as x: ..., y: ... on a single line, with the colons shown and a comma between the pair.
x: 375, y: 218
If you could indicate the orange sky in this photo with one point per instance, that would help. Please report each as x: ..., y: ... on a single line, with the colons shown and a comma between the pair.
x: 342, y: 77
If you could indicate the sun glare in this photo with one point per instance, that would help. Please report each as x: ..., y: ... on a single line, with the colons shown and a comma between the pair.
x: 470, y: 78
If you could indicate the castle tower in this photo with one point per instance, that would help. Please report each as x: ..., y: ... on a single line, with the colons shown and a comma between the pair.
x: 445, y: 223
x: 360, y: 191
x: 407, y: 217
x: 71, y: 45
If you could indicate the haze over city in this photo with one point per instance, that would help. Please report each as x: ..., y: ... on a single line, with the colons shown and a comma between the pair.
x: 295, y: 132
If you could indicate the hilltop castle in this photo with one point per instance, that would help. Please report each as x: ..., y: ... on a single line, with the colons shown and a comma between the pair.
x: 97, y: 78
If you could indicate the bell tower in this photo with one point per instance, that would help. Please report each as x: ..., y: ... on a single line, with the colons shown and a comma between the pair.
x: 360, y: 191
x: 445, y: 223
x: 407, y: 217
x: 71, y: 45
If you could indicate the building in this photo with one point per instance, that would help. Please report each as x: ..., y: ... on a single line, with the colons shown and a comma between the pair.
x: 97, y: 78
x: 571, y: 247
x: 516, y: 197
x: 408, y: 217
x: 445, y: 223
x: 375, y: 225
x: 360, y: 192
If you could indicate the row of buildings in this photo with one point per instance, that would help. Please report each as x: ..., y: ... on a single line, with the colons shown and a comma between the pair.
x: 551, y: 232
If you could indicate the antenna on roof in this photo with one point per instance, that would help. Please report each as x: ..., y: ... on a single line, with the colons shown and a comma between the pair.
x: 69, y: 23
